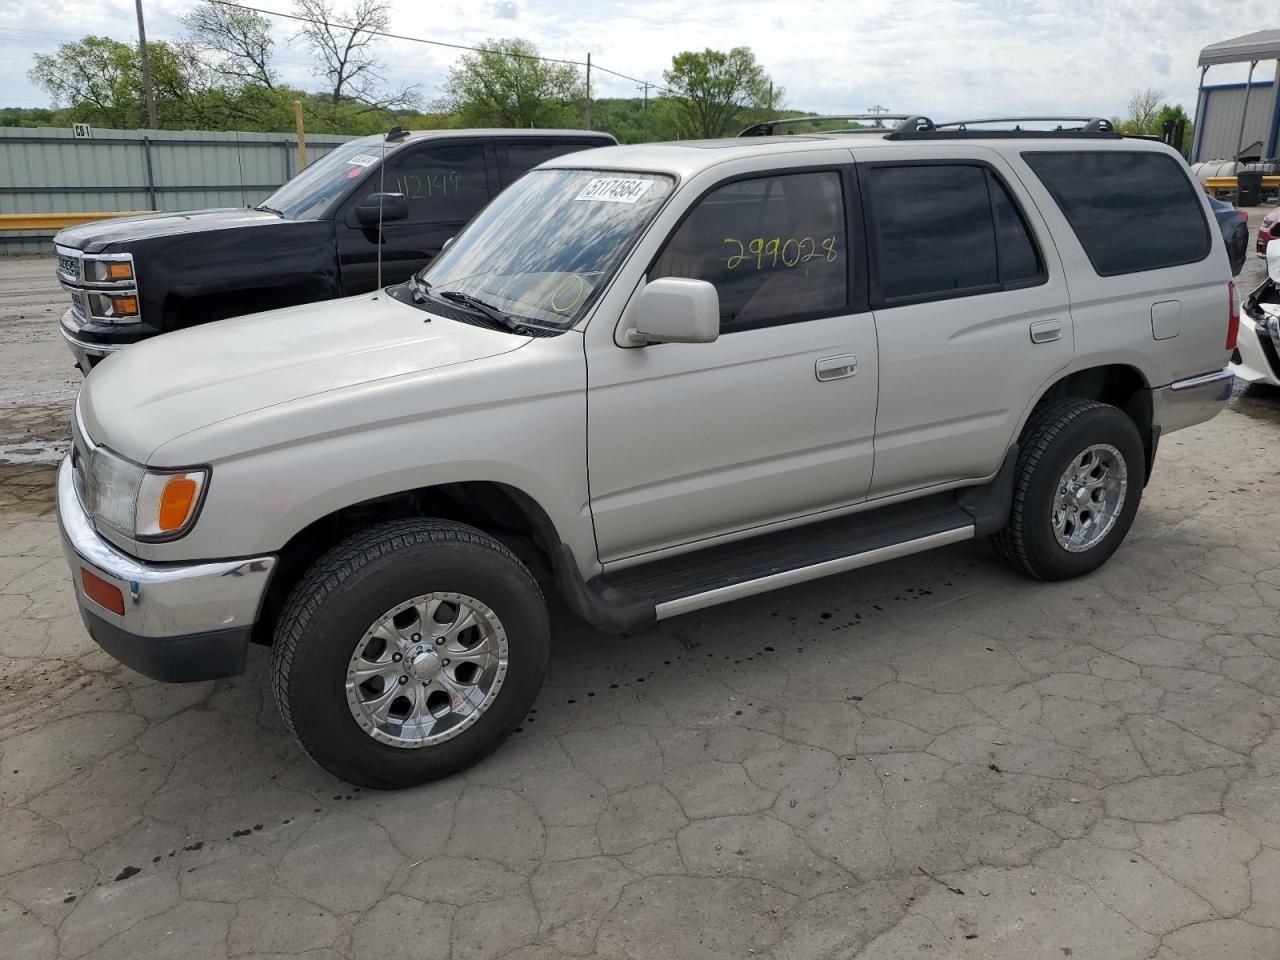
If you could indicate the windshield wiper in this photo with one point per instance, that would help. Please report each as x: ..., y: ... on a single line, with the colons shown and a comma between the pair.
x: 265, y: 209
x: 482, y: 308
x: 420, y: 287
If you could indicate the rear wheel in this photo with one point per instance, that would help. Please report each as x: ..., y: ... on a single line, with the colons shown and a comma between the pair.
x: 409, y: 652
x: 1077, y: 489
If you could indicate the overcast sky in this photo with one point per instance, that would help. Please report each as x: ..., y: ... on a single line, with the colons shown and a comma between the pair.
x: 944, y: 58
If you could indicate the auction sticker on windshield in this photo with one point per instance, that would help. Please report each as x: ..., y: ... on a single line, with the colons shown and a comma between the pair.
x: 362, y: 160
x: 614, y: 189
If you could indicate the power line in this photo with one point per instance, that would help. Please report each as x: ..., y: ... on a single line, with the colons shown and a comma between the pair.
x: 434, y: 43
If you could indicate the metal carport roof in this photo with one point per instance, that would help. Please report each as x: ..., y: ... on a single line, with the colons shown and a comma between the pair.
x: 1262, y: 45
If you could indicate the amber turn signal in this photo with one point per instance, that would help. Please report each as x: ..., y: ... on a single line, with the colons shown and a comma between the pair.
x: 120, y: 270
x: 176, y: 501
x: 124, y: 306
x: 104, y: 594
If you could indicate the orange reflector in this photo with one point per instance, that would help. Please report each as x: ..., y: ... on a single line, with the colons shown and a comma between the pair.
x: 102, y: 593
x: 124, y: 306
x: 176, y: 501
x: 120, y: 271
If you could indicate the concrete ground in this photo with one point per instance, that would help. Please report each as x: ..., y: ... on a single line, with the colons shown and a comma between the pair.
x: 928, y: 759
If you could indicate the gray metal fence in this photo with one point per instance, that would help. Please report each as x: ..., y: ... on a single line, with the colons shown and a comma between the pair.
x: 49, y: 171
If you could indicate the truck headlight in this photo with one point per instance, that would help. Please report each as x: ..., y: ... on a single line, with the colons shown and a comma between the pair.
x: 142, y: 504
x: 98, y: 270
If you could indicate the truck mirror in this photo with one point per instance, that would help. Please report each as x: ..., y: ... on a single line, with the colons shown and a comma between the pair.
x: 393, y: 207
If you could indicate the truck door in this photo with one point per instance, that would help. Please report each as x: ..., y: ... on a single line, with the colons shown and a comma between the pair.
x: 446, y: 183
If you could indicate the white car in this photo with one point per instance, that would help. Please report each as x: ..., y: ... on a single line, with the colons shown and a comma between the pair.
x: 666, y: 376
x: 1257, y: 354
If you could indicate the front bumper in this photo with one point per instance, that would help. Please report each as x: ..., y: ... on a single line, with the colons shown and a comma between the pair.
x: 1184, y: 403
x: 1259, y: 350
x: 87, y: 352
x: 181, y: 622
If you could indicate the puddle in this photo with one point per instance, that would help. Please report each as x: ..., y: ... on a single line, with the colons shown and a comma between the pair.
x: 1258, y: 401
x: 35, y: 432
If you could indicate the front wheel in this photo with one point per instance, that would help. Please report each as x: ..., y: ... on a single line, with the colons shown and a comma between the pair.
x: 1078, y: 484
x: 408, y: 652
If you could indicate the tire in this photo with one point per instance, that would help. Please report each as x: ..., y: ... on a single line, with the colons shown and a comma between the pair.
x: 1059, y: 432
x: 331, y: 615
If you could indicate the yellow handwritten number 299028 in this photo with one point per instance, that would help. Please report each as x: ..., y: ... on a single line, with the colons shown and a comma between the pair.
x: 770, y: 251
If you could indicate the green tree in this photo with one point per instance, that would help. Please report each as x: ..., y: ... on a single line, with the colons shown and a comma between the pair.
x: 716, y: 93
x: 100, y: 81
x: 502, y: 85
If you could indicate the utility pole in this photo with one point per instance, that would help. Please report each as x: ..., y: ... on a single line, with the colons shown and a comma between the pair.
x: 644, y: 121
x: 146, y: 69
x: 877, y: 110
x: 302, y: 135
x: 588, y: 90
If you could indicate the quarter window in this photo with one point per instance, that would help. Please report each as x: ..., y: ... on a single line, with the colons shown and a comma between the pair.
x: 775, y: 248
x: 444, y: 183
x: 944, y: 230
x: 1132, y: 210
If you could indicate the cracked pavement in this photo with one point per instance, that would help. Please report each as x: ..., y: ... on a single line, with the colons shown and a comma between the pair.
x: 929, y: 758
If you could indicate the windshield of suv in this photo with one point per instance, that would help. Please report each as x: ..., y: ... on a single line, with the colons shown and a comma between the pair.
x: 543, y: 246
x: 311, y: 192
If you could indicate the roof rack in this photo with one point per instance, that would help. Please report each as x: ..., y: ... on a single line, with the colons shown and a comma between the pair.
x: 905, y: 120
x: 1098, y: 127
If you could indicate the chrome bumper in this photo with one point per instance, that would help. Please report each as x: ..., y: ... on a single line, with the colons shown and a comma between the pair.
x: 87, y: 354
x: 1185, y: 403
x: 162, y: 602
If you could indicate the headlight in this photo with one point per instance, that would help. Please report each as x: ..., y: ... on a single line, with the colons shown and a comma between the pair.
x: 142, y: 504
x: 107, y: 271
x: 117, y: 307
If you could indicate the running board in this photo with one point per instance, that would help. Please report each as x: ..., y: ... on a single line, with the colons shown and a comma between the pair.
x: 749, y: 588
x: 634, y: 598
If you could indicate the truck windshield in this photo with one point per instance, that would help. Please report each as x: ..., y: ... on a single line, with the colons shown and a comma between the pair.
x: 540, y: 249
x: 310, y: 193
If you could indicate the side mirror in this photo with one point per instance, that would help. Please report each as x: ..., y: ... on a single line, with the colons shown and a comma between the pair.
x: 394, y: 206
x: 674, y: 310
x: 1273, y: 260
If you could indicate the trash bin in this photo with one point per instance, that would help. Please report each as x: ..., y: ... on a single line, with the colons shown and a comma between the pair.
x: 1249, y: 188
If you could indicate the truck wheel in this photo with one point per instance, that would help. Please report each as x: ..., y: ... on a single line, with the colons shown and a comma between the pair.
x: 408, y: 652
x: 1076, y: 491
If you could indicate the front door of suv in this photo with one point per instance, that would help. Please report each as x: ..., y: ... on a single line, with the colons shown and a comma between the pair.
x: 775, y: 419
x: 446, y: 183
x: 971, y: 312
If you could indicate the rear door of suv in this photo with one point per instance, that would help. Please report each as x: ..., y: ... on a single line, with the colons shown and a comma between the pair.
x: 971, y: 310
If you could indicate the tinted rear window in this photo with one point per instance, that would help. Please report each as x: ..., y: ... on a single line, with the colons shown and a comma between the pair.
x: 1131, y: 210
x: 523, y: 157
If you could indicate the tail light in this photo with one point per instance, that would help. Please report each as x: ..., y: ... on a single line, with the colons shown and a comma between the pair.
x: 1233, y: 315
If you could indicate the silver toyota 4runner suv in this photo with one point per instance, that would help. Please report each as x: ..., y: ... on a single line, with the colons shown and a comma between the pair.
x: 660, y: 378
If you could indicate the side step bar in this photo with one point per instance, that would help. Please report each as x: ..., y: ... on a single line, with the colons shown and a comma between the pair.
x: 749, y: 588
x: 634, y: 598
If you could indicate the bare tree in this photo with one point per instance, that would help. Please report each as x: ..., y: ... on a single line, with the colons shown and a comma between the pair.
x: 1144, y: 105
x: 343, y: 42
x: 235, y: 43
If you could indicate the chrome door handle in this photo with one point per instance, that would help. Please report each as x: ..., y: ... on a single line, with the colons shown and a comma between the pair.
x: 1046, y: 331
x: 836, y: 368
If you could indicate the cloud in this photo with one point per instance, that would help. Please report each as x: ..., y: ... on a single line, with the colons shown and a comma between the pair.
x: 944, y: 58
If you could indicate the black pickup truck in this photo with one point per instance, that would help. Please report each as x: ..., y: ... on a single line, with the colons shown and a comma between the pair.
x: 315, y: 238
